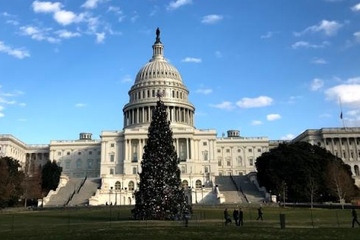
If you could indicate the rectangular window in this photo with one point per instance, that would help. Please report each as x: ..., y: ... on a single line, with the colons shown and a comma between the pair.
x: 112, y: 171
x: 250, y: 150
x: 90, y: 152
x: 251, y: 162
x: 68, y: 153
x: 206, y: 155
x: 112, y: 145
x: 204, y: 143
x: 112, y: 158
x: 259, y: 150
x: 59, y: 153
x: 219, y: 151
x: 227, y: 150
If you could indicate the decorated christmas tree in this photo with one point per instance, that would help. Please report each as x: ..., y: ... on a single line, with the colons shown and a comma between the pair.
x: 160, y: 195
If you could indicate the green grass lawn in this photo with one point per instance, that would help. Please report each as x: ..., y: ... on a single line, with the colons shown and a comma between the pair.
x: 206, y: 223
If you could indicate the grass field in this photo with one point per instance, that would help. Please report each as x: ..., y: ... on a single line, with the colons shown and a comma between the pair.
x: 206, y: 223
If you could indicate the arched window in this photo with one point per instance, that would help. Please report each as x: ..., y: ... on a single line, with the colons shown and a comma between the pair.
x: 117, y: 185
x: 357, y: 171
x: 78, y: 163
x: 185, y: 184
x: 239, y: 161
x: 198, y: 184
x: 131, y: 185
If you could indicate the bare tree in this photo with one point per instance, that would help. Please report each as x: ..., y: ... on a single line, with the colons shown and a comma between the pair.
x: 340, y: 182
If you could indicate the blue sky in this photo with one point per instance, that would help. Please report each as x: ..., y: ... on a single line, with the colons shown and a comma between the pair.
x: 265, y: 67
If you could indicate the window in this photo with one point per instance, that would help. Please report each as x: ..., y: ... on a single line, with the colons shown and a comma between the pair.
x: 59, y: 153
x: 78, y: 163
x: 204, y: 143
x: 112, y: 171
x: 183, y: 169
x: 90, y: 163
x: 219, y: 162
x: 90, y: 152
x: 206, y: 155
x: 79, y: 153
x: 198, y: 184
x: 182, y: 150
x: 134, y: 170
x: 239, y: 161
x: 112, y: 158
x: 131, y: 185
x: 67, y: 164
x: 250, y: 150
x: 112, y: 145
x: 228, y: 162
x: 227, y: 150
x: 259, y: 150
x: 219, y: 150
x: 68, y: 153
x: 239, y: 150
x: 117, y: 185
x: 185, y: 184
x: 251, y: 162
x: 134, y: 147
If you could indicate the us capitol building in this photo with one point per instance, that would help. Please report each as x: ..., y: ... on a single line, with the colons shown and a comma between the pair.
x: 115, y: 158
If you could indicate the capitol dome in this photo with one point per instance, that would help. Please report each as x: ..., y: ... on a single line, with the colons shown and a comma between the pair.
x: 158, y: 76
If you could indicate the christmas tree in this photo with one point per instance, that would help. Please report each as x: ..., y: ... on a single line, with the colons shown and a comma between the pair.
x: 160, y: 195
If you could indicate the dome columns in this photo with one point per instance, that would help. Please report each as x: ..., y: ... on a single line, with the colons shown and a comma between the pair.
x: 143, y: 115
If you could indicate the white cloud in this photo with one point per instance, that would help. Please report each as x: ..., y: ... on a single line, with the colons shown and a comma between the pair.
x: 46, y: 7
x: 267, y: 35
x: 224, y: 105
x: 329, y: 28
x: 256, y: 122
x: 288, y: 137
x: 348, y: 92
x: 211, y: 19
x: 356, y: 8
x: 355, y: 80
x: 319, y: 61
x: 273, y: 117
x: 80, y: 105
x: 316, y: 84
x: 91, y: 4
x: 38, y: 34
x: 117, y: 12
x: 357, y: 36
x: 22, y: 104
x: 19, y: 53
x: 65, y: 17
x: 204, y: 91
x: 261, y: 101
x: 126, y: 79
x: 100, y: 37
x: 178, y: 3
x: 191, y: 59
x: 2, y: 115
x: 304, y: 44
x: 67, y: 34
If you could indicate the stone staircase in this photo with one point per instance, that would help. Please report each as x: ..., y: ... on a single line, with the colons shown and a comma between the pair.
x: 228, y: 189
x: 87, y: 189
x: 249, y: 189
x: 64, y: 194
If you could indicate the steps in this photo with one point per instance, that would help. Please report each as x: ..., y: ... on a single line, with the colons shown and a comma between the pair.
x: 88, y: 189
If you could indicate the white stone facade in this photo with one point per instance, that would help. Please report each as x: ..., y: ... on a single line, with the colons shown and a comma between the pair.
x: 116, y: 156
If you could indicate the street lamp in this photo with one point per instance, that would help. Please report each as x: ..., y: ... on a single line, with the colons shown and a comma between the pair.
x: 110, y: 192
